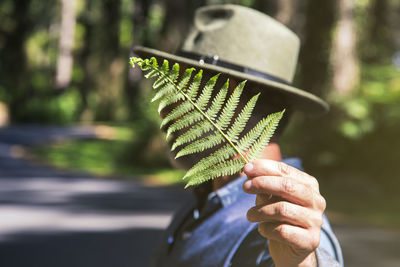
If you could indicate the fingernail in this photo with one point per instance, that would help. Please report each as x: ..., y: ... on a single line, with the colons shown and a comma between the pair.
x: 247, y: 185
x: 248, y: 167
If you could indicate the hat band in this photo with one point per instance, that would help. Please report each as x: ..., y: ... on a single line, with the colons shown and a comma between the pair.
x: 214, y: 60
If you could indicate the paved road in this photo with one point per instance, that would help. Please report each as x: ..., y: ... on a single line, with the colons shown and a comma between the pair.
x: 49, y: 218
x: 369, y: 246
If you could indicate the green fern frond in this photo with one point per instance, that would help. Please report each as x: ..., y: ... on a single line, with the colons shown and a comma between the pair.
x: 194, y: 87
x: 168, y: 92
x: 193, y: 133
x: 177, y: 113
x: 242, y: 119
x: 221, y: 155
x: 265, y: 124
x: 205, y: 96
x: 189, y: 119
x: 201, y: 145
x: 207, y: 126
x: 218, y: 101
x: 265, y: 136
x: 230, y: 107
x: 229, y: 167
x: 195, y: 116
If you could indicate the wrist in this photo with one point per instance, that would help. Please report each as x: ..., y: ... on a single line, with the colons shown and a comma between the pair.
x: 309, y: 261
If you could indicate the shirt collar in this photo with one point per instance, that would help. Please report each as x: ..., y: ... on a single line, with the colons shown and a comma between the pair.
x: 229, y: 193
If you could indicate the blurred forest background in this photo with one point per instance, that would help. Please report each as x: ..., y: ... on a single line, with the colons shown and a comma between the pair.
x: 66, y: 62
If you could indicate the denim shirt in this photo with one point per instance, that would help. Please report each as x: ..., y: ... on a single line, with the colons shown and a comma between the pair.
x: 219, y: 234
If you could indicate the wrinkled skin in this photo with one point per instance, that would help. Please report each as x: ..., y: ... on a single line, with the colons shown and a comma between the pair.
x: 288, y: 208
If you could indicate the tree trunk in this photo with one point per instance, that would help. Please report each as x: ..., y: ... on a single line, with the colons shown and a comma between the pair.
x: 14, y: 75
x: 315, y: 51
x: 111, y: 16
x: 66, y: 44
x: 380, y: 46
x: 174, y: 26
x: 285, y: 11
x: 345, y: 61
x: 140, y: 37
x: 85, y: 54
x: 111, y: 65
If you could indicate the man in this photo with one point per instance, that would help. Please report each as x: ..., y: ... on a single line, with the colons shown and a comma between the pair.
x: 273, y: 213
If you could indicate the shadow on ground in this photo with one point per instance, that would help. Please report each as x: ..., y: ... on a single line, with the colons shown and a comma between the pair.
x: 52, y: 218
x: 58, y: 221
x: 127, y: 248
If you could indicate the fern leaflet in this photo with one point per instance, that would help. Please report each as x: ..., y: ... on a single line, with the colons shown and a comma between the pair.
x: 207, y: 124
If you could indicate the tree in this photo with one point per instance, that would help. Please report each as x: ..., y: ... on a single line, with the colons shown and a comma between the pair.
x: 285, y: 11
x: 345, y: 61
x: 174, y: 27
x: 140, y: 18
x: 379, y: 45
x: 83, y: 57
x: 14, y: 76
x: 110, y: 64
x: 315, y: 51
x: 66, y: 43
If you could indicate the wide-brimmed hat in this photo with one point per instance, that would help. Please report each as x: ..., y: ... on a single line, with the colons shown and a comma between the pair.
x: 245, y: 44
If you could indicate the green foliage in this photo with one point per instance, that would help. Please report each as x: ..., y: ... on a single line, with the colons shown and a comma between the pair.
x: 88, y: 156
x: 60, y: 109
x: 201, y: 124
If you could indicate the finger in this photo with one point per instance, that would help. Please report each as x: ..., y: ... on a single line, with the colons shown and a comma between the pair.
x: 264, y: 199
x: 285, y: 212
x: 293, y: 236
x: 286, y: 188
x: 266, y: 167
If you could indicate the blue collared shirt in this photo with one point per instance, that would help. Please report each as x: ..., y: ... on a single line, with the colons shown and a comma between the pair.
x: 221, y: 223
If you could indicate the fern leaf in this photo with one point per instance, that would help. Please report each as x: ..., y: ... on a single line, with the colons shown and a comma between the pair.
x: 194, y: 87
x: 267, y: 133
x: 177, y: 113
x: 201, y: 145
x: 166, y: 89
x: 242, y: 119
x: 153, y: 72
x: 205, y: 125
x: 218, y: 156
x: 218, y: 101
x: 162, y: 79
x: 190, y: 118
x: 248, y: 140
x: 193, y: 133
x: 195, y: 116
x: 186, y: 106
x: 162, y: 84
x: 205, y: 96
x: 171, y: 99
x: 230, y: 107
x: 169, y: 89
x: 229, y: 167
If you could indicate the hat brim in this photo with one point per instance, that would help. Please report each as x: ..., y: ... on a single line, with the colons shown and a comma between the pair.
x: 297, y: 98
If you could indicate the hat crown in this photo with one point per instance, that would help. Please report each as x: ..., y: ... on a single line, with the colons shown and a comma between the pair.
x: 245, y: 37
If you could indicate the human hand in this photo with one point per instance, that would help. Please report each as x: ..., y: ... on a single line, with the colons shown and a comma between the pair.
x: 289, y: 209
